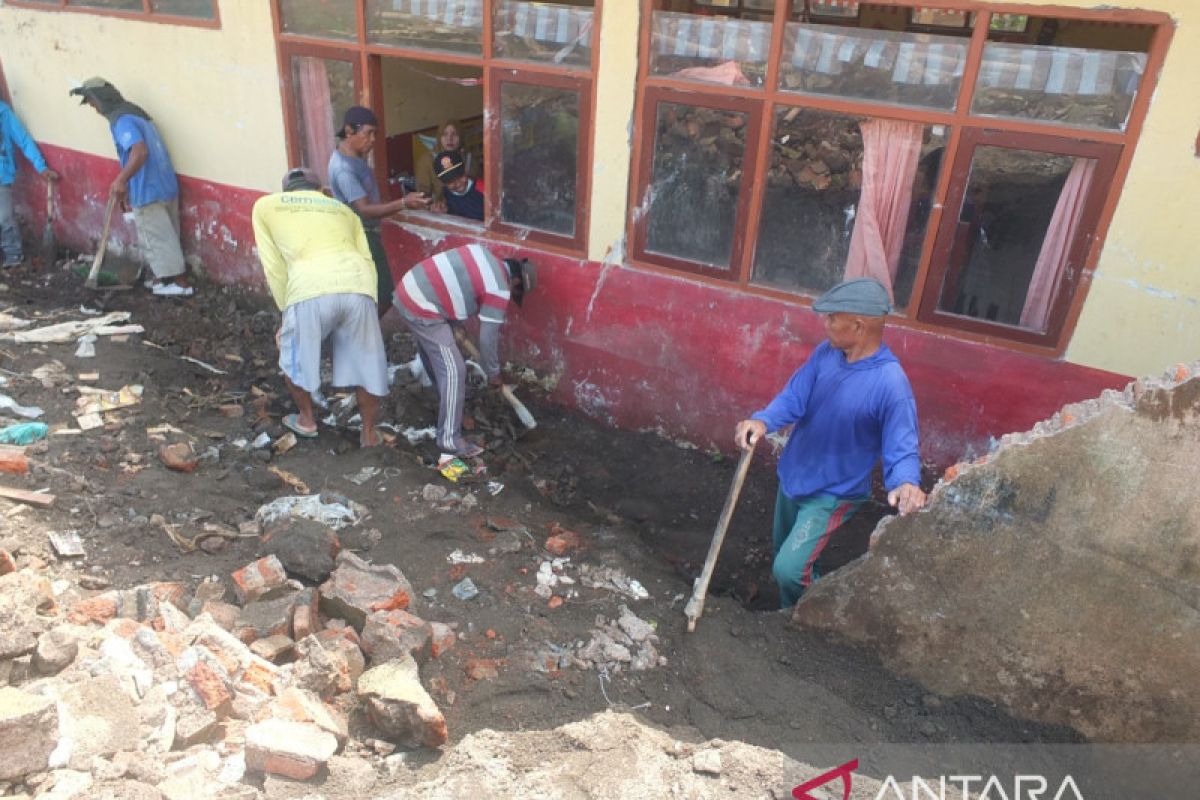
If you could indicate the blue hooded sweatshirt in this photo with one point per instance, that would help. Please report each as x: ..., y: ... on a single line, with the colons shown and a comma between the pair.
x: 13, y: 136
x: 846, y: 416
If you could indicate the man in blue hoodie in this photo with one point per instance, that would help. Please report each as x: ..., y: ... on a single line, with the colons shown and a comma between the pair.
x: 13, y: 137
x: 851, y: 404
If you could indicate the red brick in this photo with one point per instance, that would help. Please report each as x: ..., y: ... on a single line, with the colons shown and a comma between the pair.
x: 482, y: 668
x: 209, y: 687
x: 390, y: 634
x: 258, y: 676
x: 295, y: 750
x: 224, y: 614
x: 7, y: 563
x: 258, y: 579
x: 562, y: 541
x: 306, y: 620
x: 96, y: 610
x: 272, y: 648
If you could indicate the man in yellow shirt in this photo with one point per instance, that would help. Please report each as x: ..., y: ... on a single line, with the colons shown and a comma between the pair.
x: 318, y: 267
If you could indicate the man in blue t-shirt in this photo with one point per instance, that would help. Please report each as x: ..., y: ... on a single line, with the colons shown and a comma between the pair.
x: 352, y: 181
x: 146, y: 184
x: 14, y: 137
x: 850, y: 404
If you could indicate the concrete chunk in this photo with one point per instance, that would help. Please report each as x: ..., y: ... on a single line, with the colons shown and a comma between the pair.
x: 296, y: 750
x: 399, y: 706
x: 393, y: 634
x: 357, y: 589
x: 259, y: 579
x: 28, y: 733
x: 305, y: 547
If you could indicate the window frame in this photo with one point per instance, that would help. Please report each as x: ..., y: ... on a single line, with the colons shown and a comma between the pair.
x: 147, y: 14
x: 959, y: 123
x: 495, y: 69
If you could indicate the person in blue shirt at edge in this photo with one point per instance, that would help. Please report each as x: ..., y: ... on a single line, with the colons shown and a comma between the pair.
x: 850, y: 403
x: 461, y: 198
x: 146, y: 184
x: 13, y: 137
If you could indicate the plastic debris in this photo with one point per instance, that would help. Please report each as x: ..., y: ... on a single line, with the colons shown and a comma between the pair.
x: 97, y: 401
x: 65, y: 332
x: 465, y: 589
x: 87, y: 346
x: 261, y: 441
x: 452, y: 468
x: 66, y: 543
x: 24, y: 433
x: 285, y: 442
x: 495, y: 487
x: 28, y: 412
x: 415, y: 435
x: 328, y: 508
x: 363, y: 475
x: 459, y: 557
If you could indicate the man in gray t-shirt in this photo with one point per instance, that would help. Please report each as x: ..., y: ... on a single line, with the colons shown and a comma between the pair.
x: 353, y: 182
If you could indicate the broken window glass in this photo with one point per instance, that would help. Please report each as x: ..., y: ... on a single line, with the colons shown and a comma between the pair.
x: 555, y: 33
x: 914, y: 69
x: 816, y: 198
x: 453, y: 26
x: 1071, y: 85
x: 319, y: 18
x: 200, y: 9
x: 539, y: 140
x: 721, y: 50
x: 1018, y: 219
x: 696, y: 179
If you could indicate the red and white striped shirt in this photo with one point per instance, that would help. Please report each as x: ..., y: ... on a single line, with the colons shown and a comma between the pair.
x: 456, y: 285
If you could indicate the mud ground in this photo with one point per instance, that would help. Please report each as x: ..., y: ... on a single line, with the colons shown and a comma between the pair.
x: 642, y: 504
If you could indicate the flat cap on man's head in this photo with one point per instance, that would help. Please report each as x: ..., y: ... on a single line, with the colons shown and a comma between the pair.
x: 357, y: 116
x: 300, y: 179
x: 864, y: 296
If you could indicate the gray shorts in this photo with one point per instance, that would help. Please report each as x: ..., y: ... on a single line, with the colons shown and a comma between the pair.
x: 350, y: 323
x: 158, y: 232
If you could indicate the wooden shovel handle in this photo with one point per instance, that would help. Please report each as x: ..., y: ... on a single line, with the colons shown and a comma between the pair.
x: 95, y: 271
x: 695, y: 606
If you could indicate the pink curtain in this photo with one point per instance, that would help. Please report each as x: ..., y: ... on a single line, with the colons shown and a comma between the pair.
x: 316, y: 114
x: 891, y: 150
x: 1056, y: 247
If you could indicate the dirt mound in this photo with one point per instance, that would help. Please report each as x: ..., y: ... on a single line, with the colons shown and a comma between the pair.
x: 1060, y: 577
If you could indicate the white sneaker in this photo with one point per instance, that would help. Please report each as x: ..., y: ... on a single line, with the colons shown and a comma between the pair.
x: 172, y: 290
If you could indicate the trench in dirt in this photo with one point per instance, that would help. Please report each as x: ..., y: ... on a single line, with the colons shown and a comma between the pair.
x: 643, y: 505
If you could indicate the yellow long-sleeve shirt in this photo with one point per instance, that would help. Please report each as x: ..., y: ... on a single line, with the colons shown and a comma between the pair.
x: 311, y: 245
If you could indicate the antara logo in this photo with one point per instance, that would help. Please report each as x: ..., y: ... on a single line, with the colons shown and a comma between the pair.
x: 967, y: 787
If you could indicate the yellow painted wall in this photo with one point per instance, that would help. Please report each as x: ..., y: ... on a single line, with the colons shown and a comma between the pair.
x: 214, y: 94
x: 613, y: 122
x: 412, y: 100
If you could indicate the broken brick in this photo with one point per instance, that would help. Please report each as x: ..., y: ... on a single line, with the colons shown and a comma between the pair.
x: 298, y: 705
x: 178, y: 457
x: 357, y: 588
x: 209, y: 687
x: 562, y: 541
x: 482, y: 668
x: 306, y: 619
x: 272, y: 648
x: 95, y: 610
x: 263, y: 618
x: 399, y: 706
x: 259, y: 579
x: 7, y: 563
x: 443, y: 638
x: 224, y: 614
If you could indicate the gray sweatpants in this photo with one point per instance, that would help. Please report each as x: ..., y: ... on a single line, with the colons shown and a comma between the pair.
x: 444, y: 363
x: 10, y: 234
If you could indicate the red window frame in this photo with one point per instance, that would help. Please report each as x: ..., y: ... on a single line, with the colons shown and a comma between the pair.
x: 961, y: 127
x: 147, y: 14
x: 495, y: 69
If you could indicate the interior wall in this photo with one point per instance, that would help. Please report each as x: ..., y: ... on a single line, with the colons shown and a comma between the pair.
x: 413, y: 99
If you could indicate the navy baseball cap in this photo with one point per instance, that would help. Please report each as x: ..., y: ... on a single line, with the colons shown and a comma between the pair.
x: 358, y: 115
x: 865, y: 296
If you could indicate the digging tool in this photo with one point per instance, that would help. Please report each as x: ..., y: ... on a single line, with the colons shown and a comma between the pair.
x: 90, y: 283
x: 695, y: 606
x: 49, y: 243
x: 506, y: 392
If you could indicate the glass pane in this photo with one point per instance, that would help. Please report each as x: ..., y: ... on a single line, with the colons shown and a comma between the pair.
x: 940, y: 17
x: 1018, y: 218
x: 833, y: 8
x: 914, y: 69
x: 115, y: 5
x: 695, y: 182
x: 1063, y: 84
x: 710, y: 49
x: 815, y: 199
x: 1009, y: 23
x: 200, y: 9
x: 454, y: 26
x: 324, y: 89
x: 550, y: 32
x: 328, y: 20
x: 539, y: 140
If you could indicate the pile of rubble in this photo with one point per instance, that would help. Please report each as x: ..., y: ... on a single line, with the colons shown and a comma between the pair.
x: 260, y: 683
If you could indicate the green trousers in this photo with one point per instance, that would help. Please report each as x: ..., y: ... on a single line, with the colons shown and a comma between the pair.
x: 802, y: 529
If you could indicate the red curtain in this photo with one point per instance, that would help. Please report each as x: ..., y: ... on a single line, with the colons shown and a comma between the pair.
x: 891, y: 150
x: 1056, y: 247
x: 316, y: 114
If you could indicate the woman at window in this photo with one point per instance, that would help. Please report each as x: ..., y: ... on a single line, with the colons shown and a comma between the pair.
x: 449, y: 139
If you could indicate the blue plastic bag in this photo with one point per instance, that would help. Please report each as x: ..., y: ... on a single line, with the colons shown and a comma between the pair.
x: 24, y: 433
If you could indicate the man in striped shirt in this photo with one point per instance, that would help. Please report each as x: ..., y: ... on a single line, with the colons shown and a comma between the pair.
x: 452, y: 287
